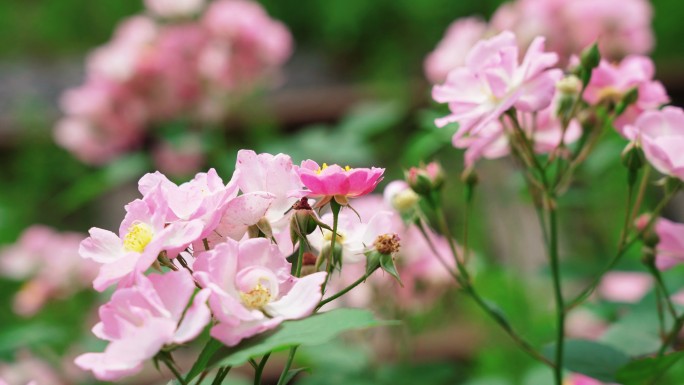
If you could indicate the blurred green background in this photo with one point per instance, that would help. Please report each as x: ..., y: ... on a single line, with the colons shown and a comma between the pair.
x: 376, y: 45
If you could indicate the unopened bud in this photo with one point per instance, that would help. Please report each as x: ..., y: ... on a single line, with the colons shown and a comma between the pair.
x: 405, y: 201
x: 632, y: 157
x: 469, y: 176
x: 628, y: 98
x: 387, y: 244
x: 649, y: 256
x: 590, y: 57
x: 425, y: 179
x: 569, y: 85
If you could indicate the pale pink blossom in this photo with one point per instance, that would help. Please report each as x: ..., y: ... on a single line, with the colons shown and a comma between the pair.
x: 354, y: 236
x: 335, y: 181
x: 141, y: 319
x: 584, y: 324
x: 203, y: 198
x: 274, y: 174
x: 183, y: 158
x: 579, y: 379
x: 610, y: 82
x: 493, y: 81
x: 544, y: 129
x: 143, y: 234
x: 621, y: 27
x: 252, y: 289
x: 27, y: 369
x: 670, y: 248
x: 451, y: 51
x: 624, y: 286
x: 661, y: 135
x: 174, y: 8
x: 49, y: 263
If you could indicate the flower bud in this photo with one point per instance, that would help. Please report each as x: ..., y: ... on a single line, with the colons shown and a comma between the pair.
x: 425, y: 179
x: 649, y: 256
x: 570, y: 85
x: 632, y: 157
x: 261, y: 229
x: 469, y: 176
x: 309, y: 263
x: 590, y: 57
x: 382, y: 255
x: 401, y: 197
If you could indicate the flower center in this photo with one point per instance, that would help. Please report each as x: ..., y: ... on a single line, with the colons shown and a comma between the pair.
x: 610, y: 94
x: 256, y: 298
x: 137, y: 238
x: 325, y: 165
x: 327, y: 235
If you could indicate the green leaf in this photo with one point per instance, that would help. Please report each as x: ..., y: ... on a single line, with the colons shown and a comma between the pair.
x: 292, y: 373
x: 387, y: 264
x: 590, y: 358
x: 314, y: 330
x: 203, y: 360
x: 643, y: 370
x: 631, y: 340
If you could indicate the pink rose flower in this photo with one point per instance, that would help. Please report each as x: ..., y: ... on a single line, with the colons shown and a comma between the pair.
x: 493, y: 81
x: 670, y: 248
x: 140, y: 319
x: 252, y: 289
x: 612, y: 81
x: 453, y: 48
x: 337, y: 182
x: 274, y: 174
x: 661, y: 135
x: 579, y: 379
x: 143, y: 234
x: 203, y: 198
x: 545, y: 133
x: 623, y: 286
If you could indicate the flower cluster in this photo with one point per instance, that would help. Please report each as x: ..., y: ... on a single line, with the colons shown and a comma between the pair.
x: 222, y: 252
x: 504, y: 105
x: 621, y: 27
x: 49, y: 264
x: 168, y: 66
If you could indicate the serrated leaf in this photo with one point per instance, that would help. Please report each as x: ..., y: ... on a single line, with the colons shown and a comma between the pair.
x: 590, y: 358
x: 203, y: 360
x: 314, y: 330
x: 643, y: 370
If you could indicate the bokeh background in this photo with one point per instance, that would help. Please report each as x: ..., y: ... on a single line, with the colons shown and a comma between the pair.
x: 353, y: 92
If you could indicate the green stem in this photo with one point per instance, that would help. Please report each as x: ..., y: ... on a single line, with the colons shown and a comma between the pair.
x: 342, y: 292
x: 300, y: 258
x: 631, y: 181
x: 221, y: 375
x: 169, y: 364
x: 642, y: 191
x: 431, y: 245
x: 469, y: 195
x: 661, y: 285
x: 670, y: 339
x: 288, y: 364
x: 582, y: 296
x: 335, y: 207
x: 260, y: 369
x: 558, y: 295
x: 464, y: 280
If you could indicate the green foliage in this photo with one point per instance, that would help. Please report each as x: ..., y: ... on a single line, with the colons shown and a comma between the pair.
x: 590, y: 358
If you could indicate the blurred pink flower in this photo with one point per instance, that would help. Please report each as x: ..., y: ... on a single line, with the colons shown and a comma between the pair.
x: 579, y: 379
x: 623, y: 286
x: 610, y: 82
x: 179, y: 159
x: 29, y: 370
x: 49, y: 263
x: 670, y: 248
x: 252, y: 289
x: 174, y: 8
x: 140, y: 319
x: 544, y: 130
x: 584, y: 324
x: 661, y: 135
x: 334, y: 181
x: 493, y: 81
x: 451, y: 51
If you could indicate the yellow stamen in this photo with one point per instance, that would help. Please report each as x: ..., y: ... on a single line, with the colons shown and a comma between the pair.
x: 257, y: 297
x: 347, y: 168
x: 137, y: 238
